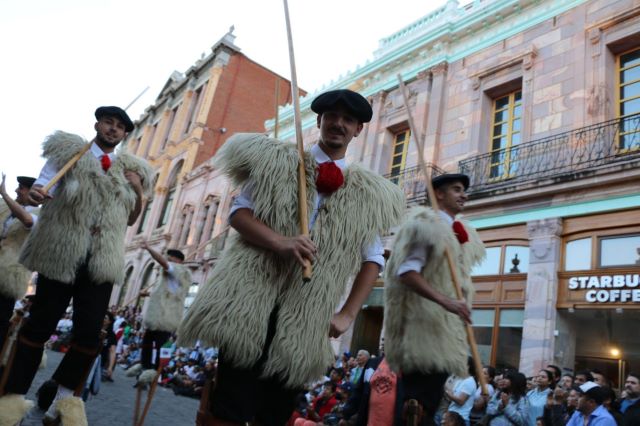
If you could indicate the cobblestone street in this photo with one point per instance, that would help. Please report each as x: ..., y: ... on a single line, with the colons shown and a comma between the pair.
x: 113, y: 406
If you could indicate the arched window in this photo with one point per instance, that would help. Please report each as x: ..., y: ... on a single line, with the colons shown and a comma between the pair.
x: 171, y: 193
x: 207, y: 225
x: 187, y: 216
x: 125, y: 286
x: 147, y: 278
x: 147, y: 207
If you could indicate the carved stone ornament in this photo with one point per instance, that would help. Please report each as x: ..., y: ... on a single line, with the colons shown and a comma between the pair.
x: 542, y: 228
x: 475, y: 83
x: 440, y: 68
x: 527, y: 59
x: 594, y: 35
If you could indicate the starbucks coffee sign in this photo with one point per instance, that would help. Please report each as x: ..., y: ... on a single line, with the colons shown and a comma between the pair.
x: 608, y: 288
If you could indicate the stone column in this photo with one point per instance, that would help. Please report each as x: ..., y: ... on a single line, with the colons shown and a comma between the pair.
x: 541, y: 295
x: 436, y: 106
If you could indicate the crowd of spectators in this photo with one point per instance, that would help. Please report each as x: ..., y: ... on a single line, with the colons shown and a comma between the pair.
x: 362, y: 390
x: 357, y: 389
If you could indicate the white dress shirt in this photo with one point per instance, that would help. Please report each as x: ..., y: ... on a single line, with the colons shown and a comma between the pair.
x: 49, y: 169
x: 11, y: 218
x: 417, y: 257
x: 372, y: 253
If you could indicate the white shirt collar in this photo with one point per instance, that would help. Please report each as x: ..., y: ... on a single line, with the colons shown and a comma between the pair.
x: 98, y: 152
x: 321, y: 157
x: 444, y: 215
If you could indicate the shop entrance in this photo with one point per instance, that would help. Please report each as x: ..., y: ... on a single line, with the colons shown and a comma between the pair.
x: 600, y: 339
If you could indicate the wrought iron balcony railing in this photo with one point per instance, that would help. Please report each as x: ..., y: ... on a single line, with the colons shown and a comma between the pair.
x: 558, y: 157
x: 412, y: 182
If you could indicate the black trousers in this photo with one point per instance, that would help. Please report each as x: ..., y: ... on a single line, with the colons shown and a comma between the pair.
x: 6, y: 310
x: 90, y: 302
x: 241, y: 395
x: 151, y: 338
x: 427, y: 389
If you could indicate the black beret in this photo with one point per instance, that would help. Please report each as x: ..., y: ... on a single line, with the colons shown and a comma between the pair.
x: 354, y: 102
x: 26, y: 181
x: 440, y: 180
x: 114, y: 111
x: 175, y: 253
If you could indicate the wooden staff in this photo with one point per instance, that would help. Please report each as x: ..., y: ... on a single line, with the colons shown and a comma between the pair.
x: 9, y: 348
x: 152, y: 391
x: 72, y: 162
x: 434, y: 205
x: 277, y: 110
x: 302, y: 178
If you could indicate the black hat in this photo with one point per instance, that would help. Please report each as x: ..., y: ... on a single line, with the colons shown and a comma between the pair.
x: 114, y: 111
x: 175, y: 253
x: 354, y: 102
x: 440, y: 180
x: 26, y: 181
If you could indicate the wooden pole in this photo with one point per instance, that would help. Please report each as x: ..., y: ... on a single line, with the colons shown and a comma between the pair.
x: 152, y: 391
x: 434, y: 205
x: 276, y: 125
x: 67, y: 166
x: 9, y: 348
x: 302, y: 178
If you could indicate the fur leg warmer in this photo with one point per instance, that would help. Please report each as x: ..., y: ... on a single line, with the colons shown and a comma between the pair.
x: 134, y: 370
x: 72, y: 411
x: 147, y: 377
x: 13, y: 408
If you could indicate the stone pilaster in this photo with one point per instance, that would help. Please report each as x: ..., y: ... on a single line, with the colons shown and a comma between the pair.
x: 541, y: 294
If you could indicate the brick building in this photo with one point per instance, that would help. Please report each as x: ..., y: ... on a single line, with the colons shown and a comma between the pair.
x: 221, y: 94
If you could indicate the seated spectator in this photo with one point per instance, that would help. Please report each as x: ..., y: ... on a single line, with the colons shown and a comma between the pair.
x: 555, y: 411
x: 590, y: 409
x: 566, y: 382
x: 583, y: 377
x: 599, y: 378
x: 509, y: 405
x: 323, y: 404
x: 538, y: 396
x: 480, y: 401
x: 451, y: 418
x: 463, y: 392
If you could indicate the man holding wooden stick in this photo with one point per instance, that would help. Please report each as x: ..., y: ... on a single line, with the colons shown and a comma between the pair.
x: 17, y: 218
x: 164, y: 310
x: 77, y: 248
x: 271, y: 328
x: 424, y: 337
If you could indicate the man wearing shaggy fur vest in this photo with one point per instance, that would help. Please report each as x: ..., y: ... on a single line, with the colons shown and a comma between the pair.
x: 425, y: 336
x: 272, y: 329
x: 17, y: 218
x: 164, y: 309
x: 77, y: 248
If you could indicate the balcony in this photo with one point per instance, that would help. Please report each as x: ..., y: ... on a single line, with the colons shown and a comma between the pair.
x: 412, y: 182
x: 563, y: 157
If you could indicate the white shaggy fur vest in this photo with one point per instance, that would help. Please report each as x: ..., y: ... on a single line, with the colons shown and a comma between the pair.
x: 232, y: 309
x: 165, y: 309
x: 13, y: 276
x: 419, y: 334
x: 85, y: 199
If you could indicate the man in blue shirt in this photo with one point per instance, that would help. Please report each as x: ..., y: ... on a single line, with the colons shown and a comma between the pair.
x: 590, y: 410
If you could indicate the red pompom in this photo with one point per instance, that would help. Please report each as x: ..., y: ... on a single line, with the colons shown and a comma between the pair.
x: 329, y: 178
x: 460, y: 232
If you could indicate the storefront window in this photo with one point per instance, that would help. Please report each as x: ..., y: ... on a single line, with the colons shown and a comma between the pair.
x: 577, y: 256
x: 491, y: 263
x: 516, y: 260
x: 483, y: 320
x: 620, y: 251
x: 509, y: 338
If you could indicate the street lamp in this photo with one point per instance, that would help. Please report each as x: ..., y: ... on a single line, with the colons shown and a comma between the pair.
x: 615, y: 352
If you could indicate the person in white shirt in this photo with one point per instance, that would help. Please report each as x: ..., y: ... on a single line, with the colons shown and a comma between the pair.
x: 164, y: 309
x: 17, y: 218
x: 77, y: 248
x: 272, y: 329
x: 425, y: 336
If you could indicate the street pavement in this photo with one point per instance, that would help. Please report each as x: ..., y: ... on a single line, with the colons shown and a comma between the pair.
x: 113, y: 406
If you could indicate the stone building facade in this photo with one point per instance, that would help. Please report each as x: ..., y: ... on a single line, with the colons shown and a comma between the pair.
x: 539, y: 102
